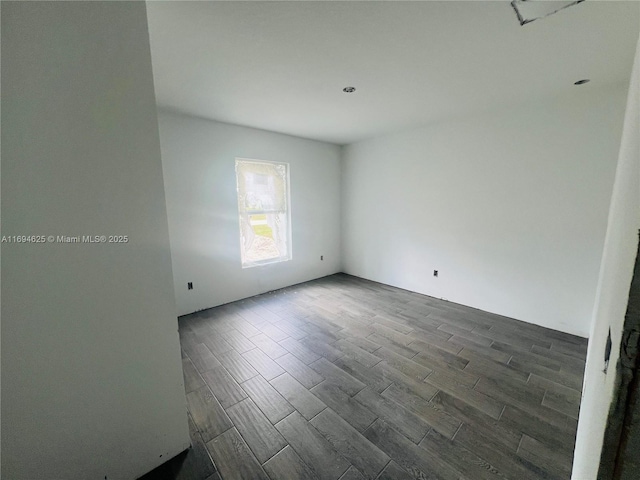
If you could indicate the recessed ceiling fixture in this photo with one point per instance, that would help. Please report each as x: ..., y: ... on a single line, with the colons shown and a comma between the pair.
x: 530, y: 10
x: 349, y: 89
x: 582, y: 82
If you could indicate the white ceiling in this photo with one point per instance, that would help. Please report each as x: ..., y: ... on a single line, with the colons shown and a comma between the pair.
x: 281, y: 66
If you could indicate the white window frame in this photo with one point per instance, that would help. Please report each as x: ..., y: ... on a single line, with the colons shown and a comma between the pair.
x: 283, y: 258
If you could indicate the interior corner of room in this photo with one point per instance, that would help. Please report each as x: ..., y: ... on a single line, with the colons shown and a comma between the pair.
x: 445, y: 153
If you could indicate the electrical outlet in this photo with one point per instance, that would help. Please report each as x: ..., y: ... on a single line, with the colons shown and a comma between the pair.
x: 321, y: 257
x: 190, y: 286
x: 435, y: 273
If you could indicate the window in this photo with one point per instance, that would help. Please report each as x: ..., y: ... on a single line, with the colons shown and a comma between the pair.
x: 263, y: 208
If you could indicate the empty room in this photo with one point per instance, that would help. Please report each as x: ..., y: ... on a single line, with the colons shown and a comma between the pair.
x: 320, y: 240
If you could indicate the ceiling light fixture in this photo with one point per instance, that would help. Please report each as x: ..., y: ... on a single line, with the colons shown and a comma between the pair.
x: 582, y: 82
x: 530, y: 10
x: 349, y: 89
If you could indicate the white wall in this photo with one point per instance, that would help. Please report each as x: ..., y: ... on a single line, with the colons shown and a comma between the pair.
x: 509, y: 207
x: 91, y: 371
x: 613, y: 290
x: 198, y: 158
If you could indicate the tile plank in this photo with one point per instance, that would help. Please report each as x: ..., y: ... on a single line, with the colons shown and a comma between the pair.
x: 353, y: 351
x: 461, y: 458
x: 349, y: 409
x: 502, y: 433
x: 556, y: 436
x: 312, y: 447
x: 393, y: 471
x: 376, y: 378
x: 349, y: 442
x: 299, y: 370
x: 268, y: 346
x: 408, y: 367
x: 409, y: 424
x: 216, y: 344
x: 288, y: 464
x: 298, y: 396
x: 238, y: 341
x: 550, y: 459
x: 290, y: 329
x: 417, y: 461
x: 237, y: 366
x: 322, y: 348
x: 421, y: 389
x: 348, y: 384
x: 303, y: 354
x: 439, y: 421
x: 352, y: 474
x: 233, y: 457
x: 508, y: 463
x: 566, y: 401
x: 207, y: 413
x: 192, y: 379
x: 202, y: 358
x: 224, y: 387
x: 263, y: 439
x: 273, y: 332
x: 272, y: 404
x: 486, y: 404
x: 262, y: 363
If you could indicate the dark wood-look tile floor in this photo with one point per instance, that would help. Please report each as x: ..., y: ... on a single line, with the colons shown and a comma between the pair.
x: 343, y: 378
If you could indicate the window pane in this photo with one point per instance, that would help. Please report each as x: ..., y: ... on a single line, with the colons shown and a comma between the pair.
x: 264, y: 211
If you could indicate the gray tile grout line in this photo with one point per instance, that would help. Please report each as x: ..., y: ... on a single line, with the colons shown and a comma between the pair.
x: 383, y: 468
x: 457, y: 430
x: 262, y: 464
x: 503, y: 409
